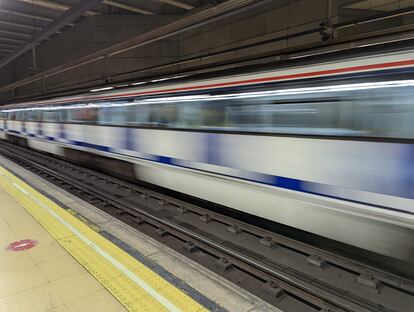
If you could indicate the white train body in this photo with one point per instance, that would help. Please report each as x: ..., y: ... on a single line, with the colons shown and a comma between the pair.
x: 352, y: 184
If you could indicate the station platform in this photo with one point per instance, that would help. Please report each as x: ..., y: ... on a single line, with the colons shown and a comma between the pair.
x: 44, y: 276
x: 62, y: 254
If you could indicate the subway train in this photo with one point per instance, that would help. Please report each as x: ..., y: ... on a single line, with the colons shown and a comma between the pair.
x: 325, y: 147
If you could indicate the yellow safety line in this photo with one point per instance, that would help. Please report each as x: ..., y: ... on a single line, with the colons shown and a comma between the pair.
x: 133, y: 284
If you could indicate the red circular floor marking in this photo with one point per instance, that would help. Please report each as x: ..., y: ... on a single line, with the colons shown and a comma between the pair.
x: 21, y: 245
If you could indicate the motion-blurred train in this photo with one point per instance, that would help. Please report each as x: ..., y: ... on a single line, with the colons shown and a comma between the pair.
x: 326, y: 147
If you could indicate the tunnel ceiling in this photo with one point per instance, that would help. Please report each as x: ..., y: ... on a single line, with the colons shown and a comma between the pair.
x: 21, y: 20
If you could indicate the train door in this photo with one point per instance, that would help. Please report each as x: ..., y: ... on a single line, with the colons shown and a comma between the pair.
x: 3, y: 121
x: 6, y: 121
x: 2, y: 125
x: 11, y: 118
x: 39, y: 123
x: 22, y: 122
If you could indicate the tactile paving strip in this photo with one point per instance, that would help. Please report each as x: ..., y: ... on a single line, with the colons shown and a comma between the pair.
x: 133, y: 284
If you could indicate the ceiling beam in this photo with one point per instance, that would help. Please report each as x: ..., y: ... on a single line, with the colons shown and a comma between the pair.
x: 22, y: 14
x: 178, y: 4
x: 344, y: 3
x: 20, y: 25
x: 127, y: 7
x: 15, y: 33
x: 13, y: 40
x: 55, y: 6
x: 73, y: 13
x: 8, y: 46
x: 357, y: 13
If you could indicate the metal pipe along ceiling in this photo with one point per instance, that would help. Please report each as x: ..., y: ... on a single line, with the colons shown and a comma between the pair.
x: 20, y: 25
x: 127, y: 7
x: 12, y: 40
x: 7, y: 46
x: 21, y: 14
x: 63, y: 7
x: 54, y: 6
x: 15, y: 33
x: 178, y: 4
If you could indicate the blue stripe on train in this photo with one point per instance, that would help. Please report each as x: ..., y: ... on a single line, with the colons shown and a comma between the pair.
x: 91, y: 145
x: 288, y: 183
x: 165, y: 160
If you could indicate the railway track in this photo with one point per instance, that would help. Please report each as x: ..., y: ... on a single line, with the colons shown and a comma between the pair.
x: 291, y: 275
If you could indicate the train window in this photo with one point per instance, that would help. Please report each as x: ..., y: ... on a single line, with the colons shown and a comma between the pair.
x: 384, y: 114
x: 33, y: 115
x: 65, y: 115
x: 303, y: 117
x: 318, y: 116
x: 12, y: 116
x: 112, y: 115
x: 139, y: 114
x: 19, y: 115
x: 167, y: 115
x: 84, y: 114
x: 30, y: 115
x: 73, y: 115
x: 147, y: 115
x: 213, y: 115
x: 242, y: 116
x: 50, y: 116
x: 90, y: 114
x: 189, y: 115
x: 62, y: 115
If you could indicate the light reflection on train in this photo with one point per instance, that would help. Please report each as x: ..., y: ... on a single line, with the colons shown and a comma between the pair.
x: 330, y: 153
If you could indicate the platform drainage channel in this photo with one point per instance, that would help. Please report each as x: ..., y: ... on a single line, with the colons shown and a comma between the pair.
x: 288, y: 274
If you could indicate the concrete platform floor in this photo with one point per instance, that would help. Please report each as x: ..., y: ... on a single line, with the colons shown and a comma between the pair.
x: 45, y: 277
